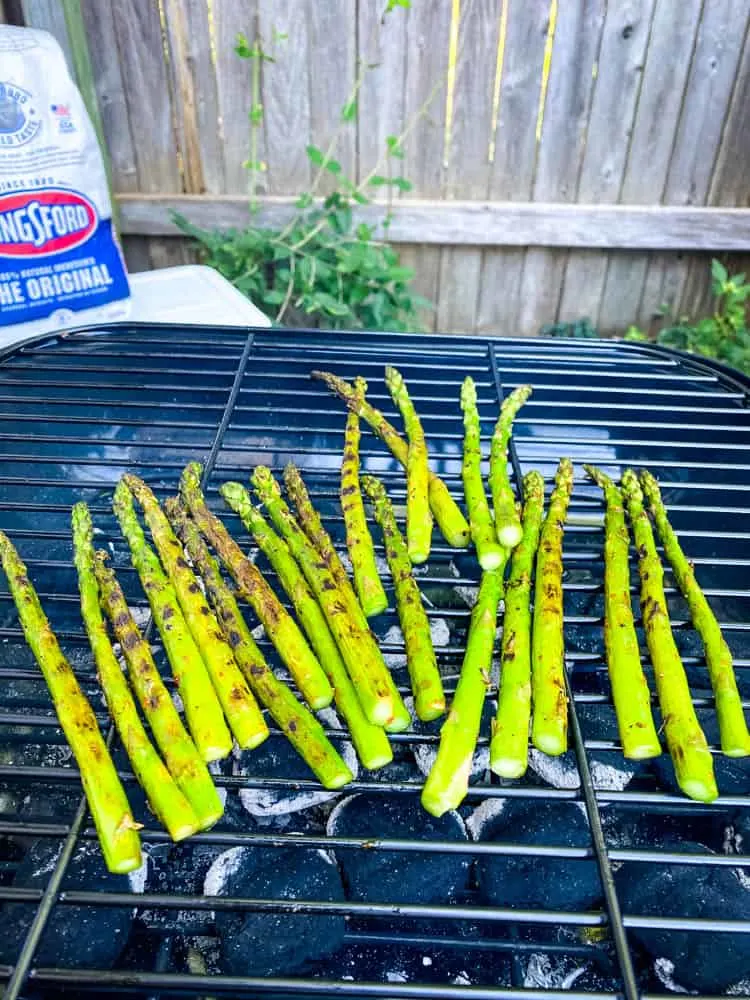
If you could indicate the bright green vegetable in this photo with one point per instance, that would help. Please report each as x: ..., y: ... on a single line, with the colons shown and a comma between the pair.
x: 110, y: 810
x: 507, y: 522
x: 489, y: 551
x: 165, y: 798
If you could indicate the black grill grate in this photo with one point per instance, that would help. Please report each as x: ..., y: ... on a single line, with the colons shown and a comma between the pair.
x: 76, y: 411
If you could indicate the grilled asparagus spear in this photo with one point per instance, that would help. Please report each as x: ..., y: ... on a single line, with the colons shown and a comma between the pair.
x: 321, y: 541
x: 448, y: 781
x: 301, y: 728
x: 429, y: 699
x: 687, y: 744
x: 489, y: 552
x: 418, y: 513
x: 370, y: 741
x: 184, y: 762
x: 507, y: 523
x: 280, y: 627
x: 240, y: 707
x: 357, y: 645
x: 118, y: 831
x: 448, y: 515
x: 735, y: 739
x: 358, y: 540
x: 202, y: 709
x: 549, y: 729
x: 509, y: 747
x: 630, y: 693
x: 165, y: 798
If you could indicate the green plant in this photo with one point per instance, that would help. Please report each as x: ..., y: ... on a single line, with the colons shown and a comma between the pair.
x: 326, y: 267
x: 724, y: 335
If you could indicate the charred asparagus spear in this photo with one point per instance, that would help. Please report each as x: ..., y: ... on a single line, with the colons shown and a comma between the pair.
x: 118, y: 831
x: 448, y: 781
x: 418, y: 513
x: 686, y: 741
x: 165, y: 798
x: 357, y: 645
x: 509, y: 747
x: 489, y: 551
x: 507, y: 522
x: 321, y: 542
x: 300, y: 727
x: 202, y: 709
x: 183, y: 761
x: 240, y: 707
x: 370, y: 741
x: 735, y: 739
x: 447, y: 513
x: 630, y: 692
x: 426, y: 684
x: 549, y: 730
x: 280, y: 627
x: 358, y: 540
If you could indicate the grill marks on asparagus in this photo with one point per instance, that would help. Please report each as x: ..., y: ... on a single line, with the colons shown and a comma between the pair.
x: 686, y: 741
x: 367, y: 581
x: 301, y: 728
x: 549, y: 729
x: 184, y: 762
x: 202, y: 707
x: 735, y: 739
x: 280, y: 627
x: 117, y: 830
x: 238, y: 704
x: 370, y: 741
x: 630, y: 691
x: 509, y: 746
x: 426, y: 684
x: 165, y: 798
x: 451, y: 521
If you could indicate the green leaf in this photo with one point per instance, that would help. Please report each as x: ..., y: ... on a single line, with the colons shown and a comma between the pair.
x: 274, y: 296
x: 242, y: 47
x: 304, y: 200
x: 378, y: 181
x: 402, y: 184
x: 315, y: 155
x: 393, y: 142
x: 332, y: 306
x: 365, y: 232
x: 718, y: 271
x: 360, y: 198
x: 393, y: 4
x: 333, y: 166
x: 349, y: 111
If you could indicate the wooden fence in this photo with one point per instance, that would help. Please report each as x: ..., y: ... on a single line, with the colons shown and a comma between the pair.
x: 578, y: 157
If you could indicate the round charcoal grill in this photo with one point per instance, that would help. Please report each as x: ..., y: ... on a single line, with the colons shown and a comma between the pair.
x: 78, y: 410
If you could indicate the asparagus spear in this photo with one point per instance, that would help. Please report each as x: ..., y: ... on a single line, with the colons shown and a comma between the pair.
x: 110, y: 810
x: 735, y: 739
x: 357, y: 646
x: 507, y: 522
x: 358, y: 540
x: 183, y: 761
x: 418, y: 513
x: 165, y: 798
x: 321, y: 543
x: 280, y: 627
x: 202, y: 708
x: 370, y: 741
x: 447, y: 513
x: 429, y: 699
x: 448, y: 781
x: 489, y: 552
x: 686, y: 741
x: 630, y: 692
x: 549, y: 730
x: 301, y: 728
x: 509, y: 747
x: 240, y: 707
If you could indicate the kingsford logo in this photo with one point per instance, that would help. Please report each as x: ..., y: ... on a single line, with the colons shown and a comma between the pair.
x: 39, y: 223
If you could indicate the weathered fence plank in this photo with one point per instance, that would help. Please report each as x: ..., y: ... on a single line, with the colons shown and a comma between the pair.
x: 613, y: 109
x: 233, y: 94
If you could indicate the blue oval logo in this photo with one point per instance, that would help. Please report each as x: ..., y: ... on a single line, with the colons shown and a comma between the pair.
x: 19, y: 119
